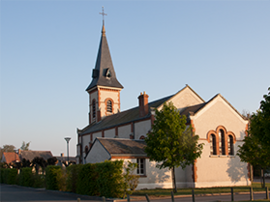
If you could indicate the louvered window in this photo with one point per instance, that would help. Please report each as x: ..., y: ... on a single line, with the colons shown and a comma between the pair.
x: 109, y: 106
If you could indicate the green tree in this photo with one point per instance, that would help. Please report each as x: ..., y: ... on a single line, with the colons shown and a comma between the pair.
x: 265, y: 121
x: 25, y: 146
x: 256, y: 147
x: 254, y: 153
x: 171, y: 143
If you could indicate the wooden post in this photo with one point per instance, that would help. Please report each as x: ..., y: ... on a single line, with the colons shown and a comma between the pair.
x: 78, y: 200
x: 193, y: 196
x: 232, y: 194
x: 267, y: 192
x: 251, y: 194
x: 103, y: 198
x: 172, y: 196
x: 147, y: 198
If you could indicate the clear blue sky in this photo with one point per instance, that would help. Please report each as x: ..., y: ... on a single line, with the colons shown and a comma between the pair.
x: 49, y: 48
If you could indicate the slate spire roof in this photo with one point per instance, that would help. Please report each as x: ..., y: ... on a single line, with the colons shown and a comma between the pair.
x: 104, y: 74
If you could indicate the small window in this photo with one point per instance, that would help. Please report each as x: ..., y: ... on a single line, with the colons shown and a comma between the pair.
x: 230, y: 145
x: 86, y: 149
x: 221, y: 142
x: 213, y: 148
x: 142, y: 137
x: 141, y: 166
x: 94, y: 108
x: 109, y: 106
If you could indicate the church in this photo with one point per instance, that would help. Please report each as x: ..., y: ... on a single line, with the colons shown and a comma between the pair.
x: 113, y: 134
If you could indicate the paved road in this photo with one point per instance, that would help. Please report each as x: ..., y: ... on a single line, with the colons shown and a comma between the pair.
x: 11, y: 193
x: 225, y: 198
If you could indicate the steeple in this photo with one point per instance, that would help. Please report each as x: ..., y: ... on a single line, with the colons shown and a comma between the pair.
x: 104, y: 74
x: 104, y: 89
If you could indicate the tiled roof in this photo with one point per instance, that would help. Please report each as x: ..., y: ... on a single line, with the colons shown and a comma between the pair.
x: 11, y: 157
x: 121, y: 147
x: 30, y: 155
x: 122, y: 117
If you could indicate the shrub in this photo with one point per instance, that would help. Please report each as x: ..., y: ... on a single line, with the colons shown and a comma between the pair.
x: 130, y: 180
x: 10, y: 175
x: 87, y: 180
x: 51, y: 177
x: 2, y: 175
x: 110, y: 180
x: 72, y: 177
x: 26, y: 177
x: 39, y: 180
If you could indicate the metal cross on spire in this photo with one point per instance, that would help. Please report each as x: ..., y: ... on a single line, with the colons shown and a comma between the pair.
x: 103, y: 14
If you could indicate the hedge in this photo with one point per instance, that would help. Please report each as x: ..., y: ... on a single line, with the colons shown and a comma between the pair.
x: 9, y: 175
x: 110, y: 180
x: 100, y: 179
x: 25, y: 177
x: 2, y: 175
x: 52, y: 173
x: 72, y: 177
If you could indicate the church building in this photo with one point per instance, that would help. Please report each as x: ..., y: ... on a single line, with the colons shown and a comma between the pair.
x: 114, y: 134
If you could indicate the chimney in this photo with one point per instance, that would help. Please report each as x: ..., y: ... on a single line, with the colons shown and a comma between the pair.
x: 143, y: 104
x: 19, y: 151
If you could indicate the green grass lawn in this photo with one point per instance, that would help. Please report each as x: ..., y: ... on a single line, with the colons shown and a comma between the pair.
x: 187, y: 191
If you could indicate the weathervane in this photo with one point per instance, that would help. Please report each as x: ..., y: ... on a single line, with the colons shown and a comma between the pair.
x: 103, y: 14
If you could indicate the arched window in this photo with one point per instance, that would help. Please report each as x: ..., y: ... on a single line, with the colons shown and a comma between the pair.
x: 109, y: 106
x: 94, y: 108
x: 221, y: 142
x: 142, y: 137
x: 213, y: 148
x: 230, y: 145
x: 86, y: 149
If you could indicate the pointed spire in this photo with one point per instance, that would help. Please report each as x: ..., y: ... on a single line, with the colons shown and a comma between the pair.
x: 104, y: 74
x: 103, y: 30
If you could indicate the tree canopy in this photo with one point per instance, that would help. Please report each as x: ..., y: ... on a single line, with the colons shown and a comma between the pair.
x: 256, y: 147
x: 171, y: 142
x: 25, y: 146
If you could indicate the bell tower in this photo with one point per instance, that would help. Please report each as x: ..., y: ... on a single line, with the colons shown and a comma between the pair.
x: 104, y: 89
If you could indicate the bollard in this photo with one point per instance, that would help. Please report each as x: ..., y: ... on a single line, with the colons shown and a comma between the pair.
x: 267, y: 192
x: 78, y: 200
x: 251, y: 194
x: 172, y: 196
x: 147, y: 198
x: 232, y: 194
x: 193, y: 196
x: 128, y: 199
x: 103, y: 198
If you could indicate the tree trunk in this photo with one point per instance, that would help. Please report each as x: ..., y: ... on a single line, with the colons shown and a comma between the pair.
x: 174, y: 182
x: 263, y: 178
x: 251, y: 173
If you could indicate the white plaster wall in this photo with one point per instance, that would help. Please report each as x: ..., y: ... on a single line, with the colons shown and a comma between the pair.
x: 98, y: 134
x: 181, y: 177
x: 142, y: 128
x: 155, y: 177
x: 216, y: 113
x: 185, y: 98
x: 109, y: 133
x: 124, y: 131
x: 220, y: 170
x: 104, y: 94
x: 97, y: 154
